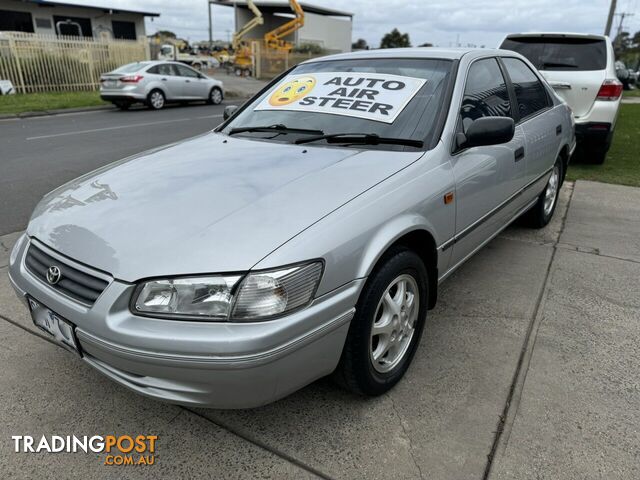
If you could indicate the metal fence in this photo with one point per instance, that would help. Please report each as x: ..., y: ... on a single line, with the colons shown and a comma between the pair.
x: 41, y: 63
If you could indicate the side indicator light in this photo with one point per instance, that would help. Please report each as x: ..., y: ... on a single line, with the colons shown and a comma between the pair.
x: 448, y: 198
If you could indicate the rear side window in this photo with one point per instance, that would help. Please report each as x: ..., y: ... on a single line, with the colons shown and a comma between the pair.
x: 485, y: 94
x: 162, y: 69
x: 129, y: 68
x: 553, y: 53
x: 530, y: 92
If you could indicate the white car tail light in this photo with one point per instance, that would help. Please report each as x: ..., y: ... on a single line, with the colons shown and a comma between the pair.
x: 610, y: 90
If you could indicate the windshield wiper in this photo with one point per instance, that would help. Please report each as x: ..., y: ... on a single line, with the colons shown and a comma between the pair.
x: 362, y: 139
x: 277, y: 128
x: 558, y: 65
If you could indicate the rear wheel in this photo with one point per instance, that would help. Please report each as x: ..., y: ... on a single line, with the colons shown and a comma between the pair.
x: 155, y: 99
x: 542, y: 212
x: 387, y: 326
x: 123, y: 105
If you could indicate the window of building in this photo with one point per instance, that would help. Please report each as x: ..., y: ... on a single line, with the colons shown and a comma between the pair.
x: 124, y: 30
x: 72, y: 26
x: 11, y: 21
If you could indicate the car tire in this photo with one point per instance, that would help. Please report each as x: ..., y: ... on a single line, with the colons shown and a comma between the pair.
x: 542, y: 212
x: 156, y: 99
x: 215, y: 96
x: 123, y: 105
x: 364, y: 367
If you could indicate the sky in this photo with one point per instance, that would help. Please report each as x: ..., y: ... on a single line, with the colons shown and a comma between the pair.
x: 443, y: 23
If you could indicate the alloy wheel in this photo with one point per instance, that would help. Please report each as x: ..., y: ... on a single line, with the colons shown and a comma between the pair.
x: 216, y: 96
x: 551, y: 193
x: 394, y: 323
x: 157, y: 100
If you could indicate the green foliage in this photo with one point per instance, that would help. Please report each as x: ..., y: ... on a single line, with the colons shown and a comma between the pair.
x: 360, y: 44
x: 35, y: 102
x: 312, y: 48
x: 622, y: 165
x: 395, y: 39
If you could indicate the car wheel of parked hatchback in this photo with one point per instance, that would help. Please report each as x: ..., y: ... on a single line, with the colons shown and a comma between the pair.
x: 215, y: 96
x: 542, y: 212
x: 155, y: 99
x: 387, y: 326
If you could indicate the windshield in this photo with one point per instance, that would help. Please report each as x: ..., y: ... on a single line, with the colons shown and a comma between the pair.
x: 555, y: 53
x: 397, y: 98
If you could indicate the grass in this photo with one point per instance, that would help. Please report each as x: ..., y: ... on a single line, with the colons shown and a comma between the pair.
x: 36, y: 102
x: 631, y: 93
x: 622, y: 165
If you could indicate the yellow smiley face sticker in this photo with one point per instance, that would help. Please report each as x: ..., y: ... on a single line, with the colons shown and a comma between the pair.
x: 292, y: 90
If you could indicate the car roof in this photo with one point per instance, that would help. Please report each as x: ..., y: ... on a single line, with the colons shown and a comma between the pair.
x: 557, y: 34
x: 420, y: 52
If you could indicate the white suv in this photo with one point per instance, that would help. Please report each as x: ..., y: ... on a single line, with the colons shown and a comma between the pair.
x: 581, y: 69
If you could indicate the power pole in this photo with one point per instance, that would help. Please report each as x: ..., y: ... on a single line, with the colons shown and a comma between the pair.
x: 612, y: 11
x: 622, y: 15
x: 210, y: 24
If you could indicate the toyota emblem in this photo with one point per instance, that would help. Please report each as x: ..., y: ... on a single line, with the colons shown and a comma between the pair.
x: 53, y: 275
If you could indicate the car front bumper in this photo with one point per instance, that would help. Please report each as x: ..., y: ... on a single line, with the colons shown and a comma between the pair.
x: 206, y: 364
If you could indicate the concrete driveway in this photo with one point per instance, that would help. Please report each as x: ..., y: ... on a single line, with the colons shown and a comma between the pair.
x: 528, y: 369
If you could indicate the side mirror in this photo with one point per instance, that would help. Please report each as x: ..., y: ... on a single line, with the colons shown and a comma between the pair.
x: 229, y: 110
x: 487, y: 131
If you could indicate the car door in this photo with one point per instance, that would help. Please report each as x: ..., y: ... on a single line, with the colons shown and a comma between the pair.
x: 487, y: 176
x: 542, y: 128
x: 166, y: 76
x: 193, y: 85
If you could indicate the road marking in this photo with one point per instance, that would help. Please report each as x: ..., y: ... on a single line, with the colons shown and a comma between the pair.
x: 134, y: 125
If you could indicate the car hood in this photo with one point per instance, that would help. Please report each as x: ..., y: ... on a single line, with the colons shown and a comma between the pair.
x: 209, y: 204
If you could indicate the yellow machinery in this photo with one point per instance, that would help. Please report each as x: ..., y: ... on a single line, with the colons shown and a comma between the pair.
x: 275, y: 38
x: 243, y: 63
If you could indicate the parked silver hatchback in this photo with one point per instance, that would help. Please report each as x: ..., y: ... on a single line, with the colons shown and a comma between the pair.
x: 306, y: 235
x: 157, y: 83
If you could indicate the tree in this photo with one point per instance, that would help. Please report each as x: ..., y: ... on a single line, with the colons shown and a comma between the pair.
x: 395, y: 39
x: 360, y: 44
x: 165, y: 34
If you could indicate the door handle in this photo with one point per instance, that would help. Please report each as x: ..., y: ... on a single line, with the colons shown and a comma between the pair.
x: 519, y: 154
x: 164, y: 79
x: 558, y: 129
x: 188, y: 81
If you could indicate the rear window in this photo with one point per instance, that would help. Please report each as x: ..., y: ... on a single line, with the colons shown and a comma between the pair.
x: 130, y: 67
x: 567, y: 54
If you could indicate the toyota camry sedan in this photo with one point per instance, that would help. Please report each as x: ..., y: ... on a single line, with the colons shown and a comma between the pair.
x: 305, y: 236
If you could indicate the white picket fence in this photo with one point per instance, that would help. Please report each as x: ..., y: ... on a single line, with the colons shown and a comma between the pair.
x: 41, y: 63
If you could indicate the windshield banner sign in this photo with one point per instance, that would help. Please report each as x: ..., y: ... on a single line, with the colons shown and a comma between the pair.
x: 372, y: 96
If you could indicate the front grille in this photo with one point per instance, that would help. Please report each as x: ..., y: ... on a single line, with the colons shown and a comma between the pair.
x: 78, y: 285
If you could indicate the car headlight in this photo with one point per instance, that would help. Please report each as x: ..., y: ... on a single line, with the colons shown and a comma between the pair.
x: 255, y: 296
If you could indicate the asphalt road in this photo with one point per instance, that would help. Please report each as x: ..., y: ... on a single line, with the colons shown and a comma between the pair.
x: 40, y: 153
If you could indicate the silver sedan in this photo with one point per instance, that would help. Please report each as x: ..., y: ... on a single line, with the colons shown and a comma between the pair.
x: 157, y: 83
x: 305, y: 236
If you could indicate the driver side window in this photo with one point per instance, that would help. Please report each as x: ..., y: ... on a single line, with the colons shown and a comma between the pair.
x: 485, y: 94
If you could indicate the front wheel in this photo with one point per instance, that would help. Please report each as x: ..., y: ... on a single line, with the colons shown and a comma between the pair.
x: 215, y: 96
x: 386, y: 329
x: 542, y: 212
